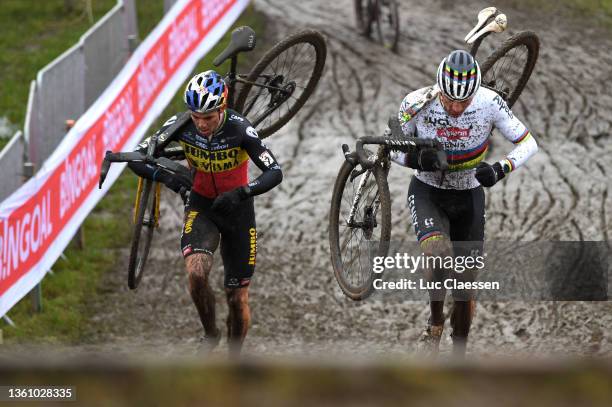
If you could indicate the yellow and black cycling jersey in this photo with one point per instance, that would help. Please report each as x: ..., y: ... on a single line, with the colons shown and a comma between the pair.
x: 221, y: 161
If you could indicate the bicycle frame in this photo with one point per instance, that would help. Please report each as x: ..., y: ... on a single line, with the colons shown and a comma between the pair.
x: 157, y: 200
x: 232, y: 78
x: 368, y: 162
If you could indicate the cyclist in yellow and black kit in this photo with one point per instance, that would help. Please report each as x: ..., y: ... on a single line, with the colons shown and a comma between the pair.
x: 218, y: 143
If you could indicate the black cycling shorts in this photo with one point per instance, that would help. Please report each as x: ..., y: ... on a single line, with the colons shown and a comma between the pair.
x: 458, y: 215
x: 204, y: 228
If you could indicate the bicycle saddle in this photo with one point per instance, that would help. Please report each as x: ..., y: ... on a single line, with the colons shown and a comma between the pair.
x: 496, y: 22
x: 243, y: 39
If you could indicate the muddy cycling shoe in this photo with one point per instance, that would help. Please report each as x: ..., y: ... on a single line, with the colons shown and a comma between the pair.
x: 429, y: 341
x: 208, y: 343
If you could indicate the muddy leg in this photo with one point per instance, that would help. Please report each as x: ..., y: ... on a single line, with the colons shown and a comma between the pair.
x: 463, y: 310
x: 430, y: 338
x: 198, y: 269
x: 238, y: 319
x: 438, y: 247
x: 461, y: 320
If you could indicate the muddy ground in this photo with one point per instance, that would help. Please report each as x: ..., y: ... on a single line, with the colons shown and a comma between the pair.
x: 297, y: 308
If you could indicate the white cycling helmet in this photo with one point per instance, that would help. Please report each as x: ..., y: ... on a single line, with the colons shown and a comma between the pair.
x: 206, y: 92
x: 459, y: 75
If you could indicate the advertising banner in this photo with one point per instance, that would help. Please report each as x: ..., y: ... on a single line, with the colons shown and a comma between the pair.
x: 38, y: 220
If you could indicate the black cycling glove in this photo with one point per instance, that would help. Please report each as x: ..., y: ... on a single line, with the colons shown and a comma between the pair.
x: 488, y: 175
x: 175, y: 182
x: 227, y: 202
x: 427, y: 159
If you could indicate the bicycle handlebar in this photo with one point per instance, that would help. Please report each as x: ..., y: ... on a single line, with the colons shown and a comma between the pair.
x: 165, y: 163
x: 120, y: 157
x: 392, y: 143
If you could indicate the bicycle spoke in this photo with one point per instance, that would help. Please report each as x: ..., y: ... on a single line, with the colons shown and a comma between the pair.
x: 355, y: 243
x: 289, y: 77
x: 506, y: 72
x: 352, y: 252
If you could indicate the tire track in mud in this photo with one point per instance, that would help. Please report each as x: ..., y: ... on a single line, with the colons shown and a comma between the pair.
x: 296, y: 305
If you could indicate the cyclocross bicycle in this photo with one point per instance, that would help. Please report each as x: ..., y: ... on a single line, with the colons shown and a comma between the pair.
x: 273, y: 91
x: 380, y: 16
x: 146, y: 208
x: 360, y: 213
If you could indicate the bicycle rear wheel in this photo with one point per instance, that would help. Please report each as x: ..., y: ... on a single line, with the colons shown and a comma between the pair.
x: 354, y: 246
x: 145, y: 221
x: 508, y: 68
x: 362, y: 16
x: 386, y: 22
x: 293, y: 68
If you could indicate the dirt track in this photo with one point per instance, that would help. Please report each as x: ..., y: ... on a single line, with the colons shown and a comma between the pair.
x: 562, y: 194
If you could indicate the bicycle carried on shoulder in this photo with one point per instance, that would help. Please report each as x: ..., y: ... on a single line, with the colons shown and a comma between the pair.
x: 280, y: 83
x: 275, y: 89
x: 360, y: 213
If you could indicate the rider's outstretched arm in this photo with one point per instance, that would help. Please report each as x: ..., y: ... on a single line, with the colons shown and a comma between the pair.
x: 149, y: 171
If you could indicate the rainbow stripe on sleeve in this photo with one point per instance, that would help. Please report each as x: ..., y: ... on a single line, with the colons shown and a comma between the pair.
x: 523, y: 137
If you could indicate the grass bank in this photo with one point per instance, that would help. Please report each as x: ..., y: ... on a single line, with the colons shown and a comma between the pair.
x: 598, y: 12
x: 75, y: 281
x: 33, y: 34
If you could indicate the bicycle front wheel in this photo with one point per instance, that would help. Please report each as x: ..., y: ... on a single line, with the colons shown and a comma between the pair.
x: 508, y: 69
x: 282, y: 81
x: 355, y: 240
x: 386, y: 23
x: 145, y: 221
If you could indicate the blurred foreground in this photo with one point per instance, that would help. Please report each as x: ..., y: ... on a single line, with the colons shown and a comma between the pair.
x: 102, y: 381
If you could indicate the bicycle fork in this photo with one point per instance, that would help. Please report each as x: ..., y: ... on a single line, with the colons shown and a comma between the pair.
x: 154, y: 222
x: 362, y: 183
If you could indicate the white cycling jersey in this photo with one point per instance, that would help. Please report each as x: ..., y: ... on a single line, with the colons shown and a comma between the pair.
x: 465, y: 138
